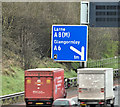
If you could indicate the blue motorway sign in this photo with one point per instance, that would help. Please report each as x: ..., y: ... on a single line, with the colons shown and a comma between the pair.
x: 69, y: 43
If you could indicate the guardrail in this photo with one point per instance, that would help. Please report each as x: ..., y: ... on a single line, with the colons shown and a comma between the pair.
x: 17, y: 97
x: 104, y: 63
x: 12, y: 98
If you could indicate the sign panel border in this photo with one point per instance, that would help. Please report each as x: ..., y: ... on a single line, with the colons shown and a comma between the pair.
x: 52, y: 44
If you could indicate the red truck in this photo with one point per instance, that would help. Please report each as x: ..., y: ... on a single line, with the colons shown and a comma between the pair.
x: 43, y: 86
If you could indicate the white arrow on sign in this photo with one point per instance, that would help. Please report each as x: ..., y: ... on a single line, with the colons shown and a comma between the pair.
x: 78, y: 52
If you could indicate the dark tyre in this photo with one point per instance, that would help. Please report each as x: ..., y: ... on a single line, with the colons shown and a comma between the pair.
x: 92, y: 105
x: 28, y: 105
x: 112, y: 105
x: 64, y: 96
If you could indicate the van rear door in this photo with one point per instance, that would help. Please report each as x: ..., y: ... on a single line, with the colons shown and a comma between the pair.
x: 38, y: 87
x: 91, y: 86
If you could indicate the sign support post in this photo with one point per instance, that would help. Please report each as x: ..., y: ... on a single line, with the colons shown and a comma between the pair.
x: 84, y: 16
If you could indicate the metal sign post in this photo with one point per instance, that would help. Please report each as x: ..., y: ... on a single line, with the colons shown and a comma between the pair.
x: 84, y: 20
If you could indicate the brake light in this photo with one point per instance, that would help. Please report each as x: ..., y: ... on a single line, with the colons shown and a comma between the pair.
x: 82, y: 102
x: 48, y: 102
x: 80, y: 90
x: 29, y: 102
x: 101, y: 102
x: 102, y: 90
x: 28, y: 81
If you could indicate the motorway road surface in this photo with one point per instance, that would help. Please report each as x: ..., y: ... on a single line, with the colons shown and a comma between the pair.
x: 72, y: 93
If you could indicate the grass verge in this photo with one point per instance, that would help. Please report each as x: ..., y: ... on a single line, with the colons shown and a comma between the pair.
x: 14, y: 82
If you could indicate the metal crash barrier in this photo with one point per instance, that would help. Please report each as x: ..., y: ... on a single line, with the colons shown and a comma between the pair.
x: 12, y: 98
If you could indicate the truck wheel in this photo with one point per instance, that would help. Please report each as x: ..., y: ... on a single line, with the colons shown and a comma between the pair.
x: 27, y: 105
x: 101, y: 105
x: 92, y: 105
x: 64, y: 96
x: 112, y: 105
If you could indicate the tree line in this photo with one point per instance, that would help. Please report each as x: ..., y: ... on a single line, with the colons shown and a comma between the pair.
x: 26, y: 31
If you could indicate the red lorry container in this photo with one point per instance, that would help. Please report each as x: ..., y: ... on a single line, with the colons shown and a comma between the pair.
x: 43, y: 86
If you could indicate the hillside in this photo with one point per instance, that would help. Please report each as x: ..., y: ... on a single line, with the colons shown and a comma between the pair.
x: 26, y: 39
x: 13, y: 78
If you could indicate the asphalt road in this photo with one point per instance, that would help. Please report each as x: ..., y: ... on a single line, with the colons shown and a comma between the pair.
x: 72, y: 93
